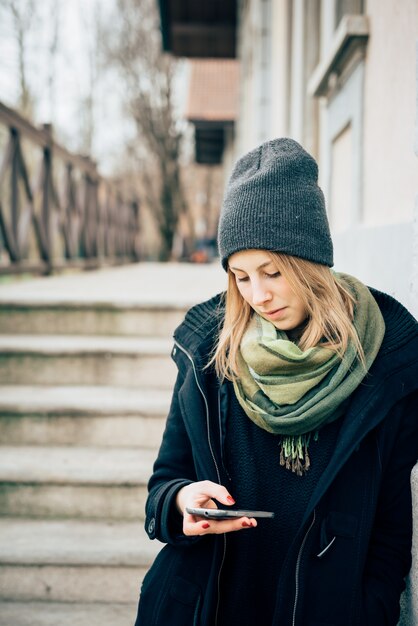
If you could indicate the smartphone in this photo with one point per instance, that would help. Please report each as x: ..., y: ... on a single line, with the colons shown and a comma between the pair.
x: 227, y: 514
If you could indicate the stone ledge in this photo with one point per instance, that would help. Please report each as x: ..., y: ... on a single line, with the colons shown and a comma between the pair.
x: 75, y: 465
x: 81, y: 400
x: 75, y: 542
x: 66, y: 613
x: 78, y: 345
x: 413, y: 578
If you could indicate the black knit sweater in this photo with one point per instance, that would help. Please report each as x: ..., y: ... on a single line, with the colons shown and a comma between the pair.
x: 254, y: 557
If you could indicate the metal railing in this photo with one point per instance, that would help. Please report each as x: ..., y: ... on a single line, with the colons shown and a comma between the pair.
x: 56, y: 211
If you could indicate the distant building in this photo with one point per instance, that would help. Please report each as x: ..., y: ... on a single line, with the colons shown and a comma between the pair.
x: 340, y: 77
x: 213, y: 107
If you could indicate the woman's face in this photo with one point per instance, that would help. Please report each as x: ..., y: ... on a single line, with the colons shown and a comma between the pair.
x: 266, y: 290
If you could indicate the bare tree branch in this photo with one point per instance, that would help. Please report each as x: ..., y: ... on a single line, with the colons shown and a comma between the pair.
x: 23, y: 13
x: 52, y: 54
x: 133, y: 46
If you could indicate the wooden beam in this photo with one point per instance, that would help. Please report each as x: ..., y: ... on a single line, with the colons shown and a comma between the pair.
x: 42, y: 138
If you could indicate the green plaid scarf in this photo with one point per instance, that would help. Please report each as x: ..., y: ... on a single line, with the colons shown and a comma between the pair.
x: 293, y: 393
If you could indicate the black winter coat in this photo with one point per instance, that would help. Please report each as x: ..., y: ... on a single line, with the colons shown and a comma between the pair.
x: 359, y: 518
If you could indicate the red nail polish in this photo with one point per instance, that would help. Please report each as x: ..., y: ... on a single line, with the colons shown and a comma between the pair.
x: 230, y: 499
x: 246, y: 525
x: 205, y: 525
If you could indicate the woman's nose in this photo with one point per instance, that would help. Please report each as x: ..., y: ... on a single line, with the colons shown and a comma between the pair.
x: 260, y: 295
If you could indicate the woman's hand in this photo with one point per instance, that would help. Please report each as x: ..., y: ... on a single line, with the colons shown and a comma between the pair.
x: 199, y: 495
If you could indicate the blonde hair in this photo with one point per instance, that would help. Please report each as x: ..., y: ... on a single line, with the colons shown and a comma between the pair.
x: 328, y: 302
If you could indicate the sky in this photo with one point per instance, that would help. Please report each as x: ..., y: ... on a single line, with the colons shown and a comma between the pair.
x: 72, y: 77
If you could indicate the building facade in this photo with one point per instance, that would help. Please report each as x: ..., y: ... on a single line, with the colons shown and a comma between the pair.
x: 340, y: 77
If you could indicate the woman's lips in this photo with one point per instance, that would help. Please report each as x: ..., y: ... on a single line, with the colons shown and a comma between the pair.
x: 276, y: 313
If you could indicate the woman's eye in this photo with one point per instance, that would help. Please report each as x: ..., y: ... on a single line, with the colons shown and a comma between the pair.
x: 242, y: 280
x: 275, y: 275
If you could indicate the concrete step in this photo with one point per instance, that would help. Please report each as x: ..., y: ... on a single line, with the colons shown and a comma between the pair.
x: 75, y: 360
x: 82, y: 415
x: 73, y: 561
x: 67, y: 614
x: 90, y: 318
x: 139, y: 299
x: 66, y: 482
x: 169, y: 284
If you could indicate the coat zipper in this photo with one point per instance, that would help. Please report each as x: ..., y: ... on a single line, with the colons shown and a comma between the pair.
x: 220, y: 436
x: 219, y: 580
x: 224, y: 537
x: 298, y: 568
x: 206, y: 408
x: 214, y: 461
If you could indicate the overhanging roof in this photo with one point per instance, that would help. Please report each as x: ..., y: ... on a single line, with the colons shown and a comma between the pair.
x: 199, y: 28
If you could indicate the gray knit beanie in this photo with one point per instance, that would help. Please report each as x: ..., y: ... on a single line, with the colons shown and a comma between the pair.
x: 273, y: 202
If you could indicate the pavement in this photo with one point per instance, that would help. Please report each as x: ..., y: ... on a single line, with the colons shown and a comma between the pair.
x: 175, y: 284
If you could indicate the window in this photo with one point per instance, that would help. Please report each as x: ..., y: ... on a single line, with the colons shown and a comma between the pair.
x: 347, y: 7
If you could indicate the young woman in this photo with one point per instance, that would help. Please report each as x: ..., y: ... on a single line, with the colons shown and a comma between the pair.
x: 297, y: 394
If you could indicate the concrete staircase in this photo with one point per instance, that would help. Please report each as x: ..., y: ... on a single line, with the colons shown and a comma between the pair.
x: 85, y: 373
x: 85, y: 378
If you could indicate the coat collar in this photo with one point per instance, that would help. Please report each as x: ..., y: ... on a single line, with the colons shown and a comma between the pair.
x: 200, y: 327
